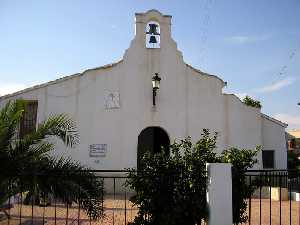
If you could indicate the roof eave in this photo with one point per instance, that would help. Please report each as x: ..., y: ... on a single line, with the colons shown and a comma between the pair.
x: 285, y: 125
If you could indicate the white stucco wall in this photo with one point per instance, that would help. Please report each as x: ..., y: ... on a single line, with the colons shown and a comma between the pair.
x: 274, y: 139
x: 244, y: 124
x: 188, y: 101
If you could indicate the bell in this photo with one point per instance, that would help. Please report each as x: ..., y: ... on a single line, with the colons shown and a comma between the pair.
x: 152, y: 29
x: 152, y: 40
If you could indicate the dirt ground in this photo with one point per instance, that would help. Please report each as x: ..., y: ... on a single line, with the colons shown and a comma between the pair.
x: 275, y: 212
x: 115, y: 214
x: 114, y: 211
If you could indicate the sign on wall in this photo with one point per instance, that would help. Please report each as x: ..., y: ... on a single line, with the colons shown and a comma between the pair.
x: 98, y: 150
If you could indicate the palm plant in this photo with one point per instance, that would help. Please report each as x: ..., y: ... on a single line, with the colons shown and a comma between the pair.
x: 26, y: 164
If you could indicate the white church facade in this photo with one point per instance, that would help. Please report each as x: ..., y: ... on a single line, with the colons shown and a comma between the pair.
x: 118, y: 110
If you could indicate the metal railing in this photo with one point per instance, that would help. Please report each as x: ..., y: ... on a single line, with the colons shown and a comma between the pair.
x: 116, y: 205
x: 275, y: 197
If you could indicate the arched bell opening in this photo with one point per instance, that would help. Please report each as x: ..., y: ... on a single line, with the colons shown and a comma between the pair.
x: 152, y: 35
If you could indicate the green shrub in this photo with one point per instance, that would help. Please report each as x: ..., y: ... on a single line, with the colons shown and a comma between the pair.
x: 251, y: 102
x: 293, y: 161
x: 241, y: 160
x: 171, y: 189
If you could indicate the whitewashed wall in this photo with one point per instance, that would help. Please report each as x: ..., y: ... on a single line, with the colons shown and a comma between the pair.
x: 188, y: 101
x: 274, y: 139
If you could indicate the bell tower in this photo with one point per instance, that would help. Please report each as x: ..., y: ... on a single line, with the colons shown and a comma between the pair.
x: 152, y: 28
x: 152, y: 35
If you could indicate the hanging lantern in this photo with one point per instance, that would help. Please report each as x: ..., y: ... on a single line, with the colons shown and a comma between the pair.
x: 155, y: 86
x: 156, y: 81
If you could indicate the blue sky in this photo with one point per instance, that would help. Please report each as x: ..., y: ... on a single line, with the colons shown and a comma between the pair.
x: 254, y: 45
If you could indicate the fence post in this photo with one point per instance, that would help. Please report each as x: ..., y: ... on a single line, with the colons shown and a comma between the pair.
x: 219, y: 193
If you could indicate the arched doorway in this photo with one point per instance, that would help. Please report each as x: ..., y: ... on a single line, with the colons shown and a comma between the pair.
x: 152, y: 139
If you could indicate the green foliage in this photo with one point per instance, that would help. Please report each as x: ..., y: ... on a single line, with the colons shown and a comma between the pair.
x: 27, y: 166
x: 241, y: 160
x: 171, y: 189
x: 251, y: 102
x: 293, y: 161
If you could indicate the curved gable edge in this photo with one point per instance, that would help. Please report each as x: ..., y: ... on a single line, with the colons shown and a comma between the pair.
x: 274, y: 120
x: 154, y: 11
x: 262, y: 114
x: 241, y: 103
x: 206, y: 74
x: 59, y: 80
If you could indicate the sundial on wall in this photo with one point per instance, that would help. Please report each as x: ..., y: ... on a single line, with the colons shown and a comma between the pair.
x: 112, y: 99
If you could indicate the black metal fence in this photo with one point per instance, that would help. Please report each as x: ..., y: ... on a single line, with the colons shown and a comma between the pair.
x: 118, y: 209
x: 275, y: 199
x: 23, y: 208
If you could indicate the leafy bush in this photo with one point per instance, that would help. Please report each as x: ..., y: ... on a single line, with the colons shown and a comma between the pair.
x: 251, y: 102
x: 241, y: 160
x: 293, y: 161
x: 171, y: 189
